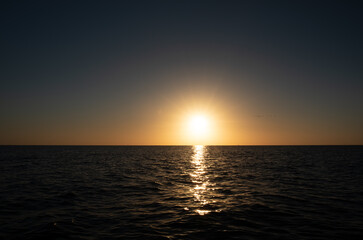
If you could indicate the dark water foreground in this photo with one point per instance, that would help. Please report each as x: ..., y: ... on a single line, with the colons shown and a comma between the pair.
x: 181, y: 192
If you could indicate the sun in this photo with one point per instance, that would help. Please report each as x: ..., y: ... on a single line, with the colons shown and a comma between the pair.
x: 198, y: 128
x: 199, y: 125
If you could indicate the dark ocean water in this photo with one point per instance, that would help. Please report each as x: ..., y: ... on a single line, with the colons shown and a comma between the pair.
x: 56, y: 192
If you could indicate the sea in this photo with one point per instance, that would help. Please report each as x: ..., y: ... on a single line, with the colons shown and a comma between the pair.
x: 181, y: 192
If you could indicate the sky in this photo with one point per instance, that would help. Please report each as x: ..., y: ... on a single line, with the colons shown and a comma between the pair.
x: 134, y: 72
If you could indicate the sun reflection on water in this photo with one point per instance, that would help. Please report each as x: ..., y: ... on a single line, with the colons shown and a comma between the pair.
x: 200, y: 179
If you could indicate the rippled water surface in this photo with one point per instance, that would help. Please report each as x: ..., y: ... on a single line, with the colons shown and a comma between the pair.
x: 191, y: 192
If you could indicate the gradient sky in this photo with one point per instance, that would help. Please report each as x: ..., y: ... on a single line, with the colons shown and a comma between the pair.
x: 130, y: 72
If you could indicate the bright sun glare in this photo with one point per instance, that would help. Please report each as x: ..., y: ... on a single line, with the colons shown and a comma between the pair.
x: 198, y: 125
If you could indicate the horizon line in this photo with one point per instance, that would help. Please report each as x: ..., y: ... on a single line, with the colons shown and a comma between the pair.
x: 174, y: 145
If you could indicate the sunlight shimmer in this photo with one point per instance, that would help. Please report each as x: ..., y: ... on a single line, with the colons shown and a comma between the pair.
x: 200, y: 180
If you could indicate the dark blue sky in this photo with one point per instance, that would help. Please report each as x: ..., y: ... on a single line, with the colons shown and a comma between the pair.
x: 74, y: 67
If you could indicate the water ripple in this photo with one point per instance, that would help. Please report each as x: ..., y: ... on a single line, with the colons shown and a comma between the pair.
x: 199, y: 192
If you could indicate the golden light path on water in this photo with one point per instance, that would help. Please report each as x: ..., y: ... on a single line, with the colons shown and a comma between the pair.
x: 200, y: 179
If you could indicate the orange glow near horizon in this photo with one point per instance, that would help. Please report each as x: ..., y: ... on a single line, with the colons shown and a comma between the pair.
x: 194, y: 119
